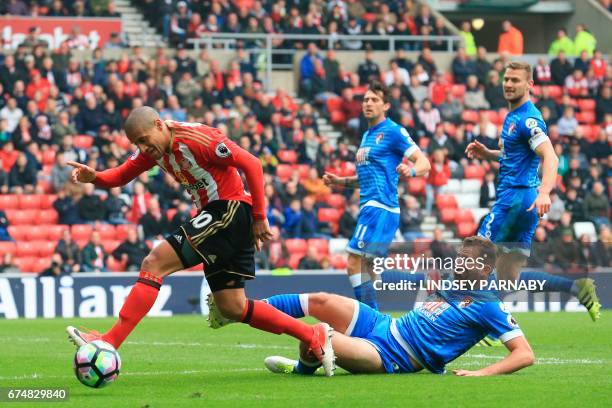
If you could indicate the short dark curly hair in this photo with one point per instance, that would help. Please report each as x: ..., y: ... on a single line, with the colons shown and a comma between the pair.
x: 380, y: 89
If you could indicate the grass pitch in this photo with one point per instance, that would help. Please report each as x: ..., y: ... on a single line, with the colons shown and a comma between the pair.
x: 180, y: 362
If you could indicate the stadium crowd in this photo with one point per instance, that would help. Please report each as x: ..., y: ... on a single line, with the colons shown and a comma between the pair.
x: 55, y: 108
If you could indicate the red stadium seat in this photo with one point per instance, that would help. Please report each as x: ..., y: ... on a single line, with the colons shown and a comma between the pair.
x: 469, y: 116
x: 585, y: 117
x: 296, y: 246
x: 448, y: 214
x: 294, y: 260
x: 303, y: 170
x: 284, y: 172
x: 110, y: 245
x: 45, y: 186
x: 123, y: 142
x: 47, y: 169
x: 26, y: 264
x: 47, y: 200
x: 17, y: 233
x: 536, y: 90
x: 47, y: 217
x: 81, y: 232
x: 586, y: 105
x: 474, y: 172
x: 83, y: 141
x: 321, y: 244
x: 48, y: 157
x: 44, y: 248
x: 337, y: 118
x: 7, y: 247
x: 334, y: 104
x: 35, y: 232
x: 122, y: 231
x: 466, y: 229
x: 25, y: 248
x: 329, y: 214
x: 29, y: 201
x: 446, y: 201
x: 416, y: 186
x: 41, y: 264
x: 55, y: 232
x: 424, y: 142
x: 115, y: 265
x: 336, y: 200
x: 555, y: 91
x: 463, y: 215
x: 338, y: 261
x: 421, y: 245
x: 21, y: 217
x: 288, y: 156
x: 458, y: 90
x: 106, y: 231
x: 9, y: 201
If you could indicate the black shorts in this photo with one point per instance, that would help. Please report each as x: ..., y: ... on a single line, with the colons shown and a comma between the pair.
x: 220, y: 237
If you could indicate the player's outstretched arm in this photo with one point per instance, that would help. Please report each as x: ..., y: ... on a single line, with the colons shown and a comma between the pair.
x: 520, y: 356
x: 117, y: 177
x: 331, y: 179
x: 477, y: 150
x: 421, y: 166
x: 550, y: 163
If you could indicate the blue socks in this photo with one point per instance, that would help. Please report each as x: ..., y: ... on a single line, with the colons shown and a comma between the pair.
x: 305, y: 368
x: 552, y: 283
x: 291, y: 304
x: 366, y: 293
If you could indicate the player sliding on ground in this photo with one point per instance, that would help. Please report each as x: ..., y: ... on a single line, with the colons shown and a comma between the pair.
x: 229, y: 223
x: 447, y: 325
x: 522, y: 199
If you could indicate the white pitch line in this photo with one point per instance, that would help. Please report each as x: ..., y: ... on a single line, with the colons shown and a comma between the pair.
x: 36, y: 376
x: 543, y: 360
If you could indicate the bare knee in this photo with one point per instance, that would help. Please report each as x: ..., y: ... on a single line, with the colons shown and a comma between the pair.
x: 318, y: 301
x: 153, y: 264
x: 353, y: 265
x: 230, y: 306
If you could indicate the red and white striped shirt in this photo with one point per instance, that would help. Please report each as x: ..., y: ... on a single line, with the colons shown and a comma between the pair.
x: 206, y: 164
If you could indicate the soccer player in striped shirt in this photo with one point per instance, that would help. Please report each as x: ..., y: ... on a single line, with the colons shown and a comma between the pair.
x: 229, y: 225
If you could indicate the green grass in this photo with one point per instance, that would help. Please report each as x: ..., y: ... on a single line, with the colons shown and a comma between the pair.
x: 178, y: 361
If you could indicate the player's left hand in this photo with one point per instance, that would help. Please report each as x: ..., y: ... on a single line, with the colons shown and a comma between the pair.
x: 541, y: 203
x: 403, y: 170
x: 468, y: 373
x: 261, y: 232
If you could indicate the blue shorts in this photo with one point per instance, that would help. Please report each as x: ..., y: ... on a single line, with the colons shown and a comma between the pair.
x: 509, y: 223
x: 374, y: 233
x: 375, y: 328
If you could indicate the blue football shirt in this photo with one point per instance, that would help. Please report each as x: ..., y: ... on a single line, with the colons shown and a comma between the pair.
x: 382, y: 149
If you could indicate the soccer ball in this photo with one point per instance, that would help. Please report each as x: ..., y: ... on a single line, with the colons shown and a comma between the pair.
x: 97, y: 364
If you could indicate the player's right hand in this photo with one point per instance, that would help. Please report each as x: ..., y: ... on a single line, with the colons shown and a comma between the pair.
x: 476, y: 150
x: 82, y: 173
x: 331, y: 179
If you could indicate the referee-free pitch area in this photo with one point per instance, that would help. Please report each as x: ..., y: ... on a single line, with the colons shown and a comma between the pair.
x: 180, y: 362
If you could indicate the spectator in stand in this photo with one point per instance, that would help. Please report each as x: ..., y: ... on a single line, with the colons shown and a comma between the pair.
x: 116, y: 208
x: 487, y: 191
x: 474, y: 97
x: 462, y: 67
x: 62, y: 127
x: 451, y: 109
x: 599, y: 65
x: 12, y: 114
x: 603, y: 247
x: 179, y: 23
x: 22, y: 177
x: 566, y: 252
x: 8, y: 265
x: 310, y: 226
x: 182, y: 216
x: 310, y: 260
x: 542, y: 254
x: 69, y: 251
x: 438, y: 178
x: 351, y: 108
x: 493, y: 91
x: 560, y: 68
x: 368, y: 70
x: 348, y: 220
x: 597, y: 205
x: 154, y: 223
x: 486, y: 132
x: 57, y: 267
x: 293, y: 219
x: 4, y: 224
x: 91, y: 207
x: 567, y: 124
x: 576, y: 84
x: 468, y: 38
x: 510, y: 40
x: 542, y: 73
x: 94, y: 256
x: 574, y: 204
x: 17, y: 8
x: 584, y: 41
x: 482, y: 65
x: 132, y: 251
x: 308, y: 68
x: 424, y: 18
x: 603, y: 104
x: 561, y: 43
x: 396, y: 75
x: 583, y: 62
x: 314, y: 185
x: 545, y: 101
x: 61, y: 172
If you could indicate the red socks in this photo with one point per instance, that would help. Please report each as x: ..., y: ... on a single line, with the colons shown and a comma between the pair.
x: 262, y: 316
x: 137, y: 304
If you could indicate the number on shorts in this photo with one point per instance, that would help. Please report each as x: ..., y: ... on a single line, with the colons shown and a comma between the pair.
x: 202, y: 220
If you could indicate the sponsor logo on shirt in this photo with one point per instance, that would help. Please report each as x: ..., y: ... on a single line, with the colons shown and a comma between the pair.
x: 379, y: 137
